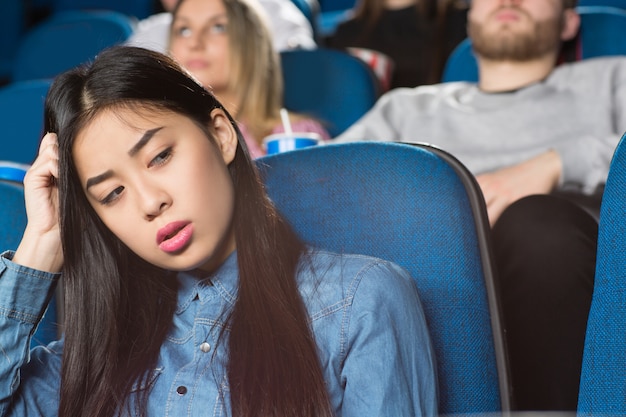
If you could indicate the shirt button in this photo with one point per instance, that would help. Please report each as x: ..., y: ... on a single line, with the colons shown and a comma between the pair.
x: 182, y: 390
x: 205, y: 347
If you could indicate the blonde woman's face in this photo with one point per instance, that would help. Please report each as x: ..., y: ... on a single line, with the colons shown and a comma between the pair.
x: 199, y: 42
x: 161, y: 185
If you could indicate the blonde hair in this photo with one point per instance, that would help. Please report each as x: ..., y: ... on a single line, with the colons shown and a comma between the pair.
x: 255, y: 65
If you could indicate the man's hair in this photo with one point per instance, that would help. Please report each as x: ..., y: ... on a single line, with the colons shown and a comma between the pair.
x: 570, y: 4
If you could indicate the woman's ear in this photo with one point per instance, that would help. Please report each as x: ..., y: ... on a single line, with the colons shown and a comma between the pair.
x: 571, y: 24
x: 225, y: 135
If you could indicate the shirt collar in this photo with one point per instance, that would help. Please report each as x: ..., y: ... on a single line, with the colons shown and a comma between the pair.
x: 200, y: 285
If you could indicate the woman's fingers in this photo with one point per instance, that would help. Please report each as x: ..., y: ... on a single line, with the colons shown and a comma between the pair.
x: 40, y: 186
x: 40, y: 247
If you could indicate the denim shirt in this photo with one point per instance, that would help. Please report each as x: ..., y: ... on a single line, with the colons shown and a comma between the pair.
x: 373, y: 343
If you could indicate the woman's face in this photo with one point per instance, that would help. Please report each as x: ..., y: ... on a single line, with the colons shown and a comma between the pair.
x: 160, y: 185
x: 199, y: 42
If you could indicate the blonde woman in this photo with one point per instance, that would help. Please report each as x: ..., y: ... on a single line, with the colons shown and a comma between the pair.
x: 227, y: 46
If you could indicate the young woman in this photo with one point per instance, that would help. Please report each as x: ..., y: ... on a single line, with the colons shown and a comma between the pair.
x: 186, y: 293
x: 227, y: 46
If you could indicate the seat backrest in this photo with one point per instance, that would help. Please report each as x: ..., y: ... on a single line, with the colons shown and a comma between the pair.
x: 12, y: 214
x: 12, y: 26
x: 461, y: 65
x: 334, y: 5
x: 68, y: 39
x: 332, y: 13
x: 602, y: 30
x: 330, y: 85
x: 136, y: 8
x: 611, y: 3
x: 12, y: 224
x: 603, y: 378
x: 21, y: 117
x: 420, y: 208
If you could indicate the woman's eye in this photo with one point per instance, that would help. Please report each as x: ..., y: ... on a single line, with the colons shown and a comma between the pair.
x: 112, y: 196
x: 183, y: 32
x: 218, y: 28
x: 161, y: 158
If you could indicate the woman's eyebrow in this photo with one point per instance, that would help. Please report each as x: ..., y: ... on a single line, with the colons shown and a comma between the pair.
x: 143, y: 141
x: 149, y: 134
x: 98, y: 179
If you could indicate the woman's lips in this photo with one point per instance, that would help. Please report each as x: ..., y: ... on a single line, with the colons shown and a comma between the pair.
x: 174, y: 236
x: 196, y: 64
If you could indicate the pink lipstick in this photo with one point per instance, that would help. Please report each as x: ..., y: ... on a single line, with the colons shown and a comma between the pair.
x: 196, y: 64
x: 174, y: 236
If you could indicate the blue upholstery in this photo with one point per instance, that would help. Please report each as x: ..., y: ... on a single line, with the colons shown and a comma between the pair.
x: 611, y: 3
x: 603, y: 379
x: 333, y: 5
x: 12, y: 214
x: 12, y: 22
x: 66, y: 40
x: 461, y: 65
x: 332, y: 13
x: 21, y: 118
x: 328, y: 21
x: 331, y: 85
x: 419, y: 207
x: 602, y: 33
x: 12, y: 224
x: 136, y: 8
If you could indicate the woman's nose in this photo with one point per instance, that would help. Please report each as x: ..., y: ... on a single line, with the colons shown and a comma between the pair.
x: 196, y: 40
x: 153, y: 201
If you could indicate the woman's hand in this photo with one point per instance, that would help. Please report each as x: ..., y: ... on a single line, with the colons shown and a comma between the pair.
x: 40, y: 247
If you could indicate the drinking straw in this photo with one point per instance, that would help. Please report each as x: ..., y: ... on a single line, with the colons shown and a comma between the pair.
x: 286, y: 123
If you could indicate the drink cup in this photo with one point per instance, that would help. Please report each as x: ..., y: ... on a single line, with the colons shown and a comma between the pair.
x: 283, y: 142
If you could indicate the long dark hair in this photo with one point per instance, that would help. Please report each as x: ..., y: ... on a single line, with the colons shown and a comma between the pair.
x: 118, y: 308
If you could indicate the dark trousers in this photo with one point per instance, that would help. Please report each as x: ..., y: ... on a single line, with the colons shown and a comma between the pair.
x: 545, y: 251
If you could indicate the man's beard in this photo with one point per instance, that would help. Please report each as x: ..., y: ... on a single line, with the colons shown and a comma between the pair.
x: 507, y: 45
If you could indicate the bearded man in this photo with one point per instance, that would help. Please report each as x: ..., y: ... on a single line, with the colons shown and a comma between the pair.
x: 532, y: 133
